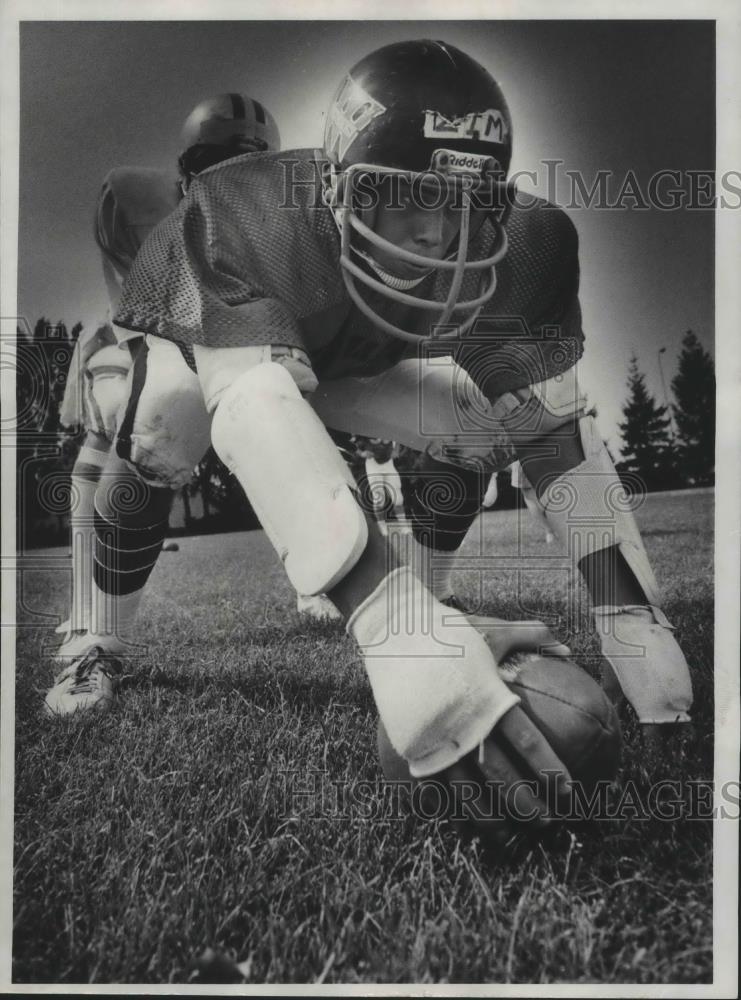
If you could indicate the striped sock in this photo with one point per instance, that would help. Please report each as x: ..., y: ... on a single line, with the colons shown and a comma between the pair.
x: 85, y: 476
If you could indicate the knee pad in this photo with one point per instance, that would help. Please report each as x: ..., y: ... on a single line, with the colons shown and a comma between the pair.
x: 301, y: 490
x: 106, y: 378
x: 165, y: 428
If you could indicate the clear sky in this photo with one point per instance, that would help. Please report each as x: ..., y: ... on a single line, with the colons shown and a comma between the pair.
x: 599, y: 95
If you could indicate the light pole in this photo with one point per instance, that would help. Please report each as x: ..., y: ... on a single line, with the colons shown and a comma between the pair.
x: 662, y: 350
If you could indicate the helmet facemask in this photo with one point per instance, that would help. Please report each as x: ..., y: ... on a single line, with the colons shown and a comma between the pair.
x: 473, y: 195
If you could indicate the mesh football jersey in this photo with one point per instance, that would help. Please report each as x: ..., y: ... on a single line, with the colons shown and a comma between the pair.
x: 251, y: 257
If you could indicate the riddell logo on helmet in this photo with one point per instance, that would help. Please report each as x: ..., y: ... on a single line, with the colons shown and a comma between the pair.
x: 450, y: 161
x: 479, y: 126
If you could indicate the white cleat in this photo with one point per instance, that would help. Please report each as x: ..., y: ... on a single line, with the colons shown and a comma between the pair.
x: 318, y: 607
x: 88, y: 684
x: 638, y: 643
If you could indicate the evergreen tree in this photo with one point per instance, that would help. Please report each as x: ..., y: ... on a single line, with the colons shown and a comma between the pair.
x: 694, y: 390
x: 647, y: 446
x: 44, y: 452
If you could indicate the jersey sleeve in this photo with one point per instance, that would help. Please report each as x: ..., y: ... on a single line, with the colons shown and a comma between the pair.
x: 201, y: 278
x: 535, y: 332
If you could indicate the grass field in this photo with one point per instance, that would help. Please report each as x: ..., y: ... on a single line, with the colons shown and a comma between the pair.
x: 219, y: 805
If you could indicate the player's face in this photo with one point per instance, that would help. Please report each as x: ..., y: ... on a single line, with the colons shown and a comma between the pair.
x: 421, y: 223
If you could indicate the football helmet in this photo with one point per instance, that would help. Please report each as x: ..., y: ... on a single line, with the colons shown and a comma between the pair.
x: 224, y: 126
x: 425, y: 114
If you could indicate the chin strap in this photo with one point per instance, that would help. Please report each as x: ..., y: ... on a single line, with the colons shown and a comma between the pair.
x: 400, y: 284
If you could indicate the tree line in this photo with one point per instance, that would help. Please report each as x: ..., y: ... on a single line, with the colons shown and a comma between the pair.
x: 663, y: 447
x: 671, y: 446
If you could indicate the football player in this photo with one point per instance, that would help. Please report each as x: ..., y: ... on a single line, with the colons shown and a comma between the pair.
x: 131, y: 202
x: 398, y: 283
x: 154, y: 411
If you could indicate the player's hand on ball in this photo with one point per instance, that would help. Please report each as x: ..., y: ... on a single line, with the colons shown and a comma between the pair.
x: 521, y: 776
x: 452, y: 711
x: 564, y: 735
x: 515, y: 780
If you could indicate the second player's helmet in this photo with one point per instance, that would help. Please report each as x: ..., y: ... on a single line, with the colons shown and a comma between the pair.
x: 224, y: 126
x: 427, y: 111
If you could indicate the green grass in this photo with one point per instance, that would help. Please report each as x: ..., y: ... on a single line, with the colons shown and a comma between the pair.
x: 169, y: 826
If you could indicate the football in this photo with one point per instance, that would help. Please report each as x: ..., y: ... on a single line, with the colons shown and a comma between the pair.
x: 568, y: 706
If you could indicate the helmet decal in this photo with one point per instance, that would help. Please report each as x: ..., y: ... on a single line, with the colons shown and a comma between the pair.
x: 352, y: 111
x: 484, y: 126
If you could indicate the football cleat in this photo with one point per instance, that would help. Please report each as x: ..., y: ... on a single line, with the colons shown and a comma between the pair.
x: 88, y: 684
x: 319, y: 607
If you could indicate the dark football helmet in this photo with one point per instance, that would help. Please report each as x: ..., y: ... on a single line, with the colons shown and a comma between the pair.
x: 426, y: 112
x: 224, y: 126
